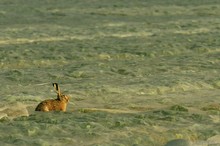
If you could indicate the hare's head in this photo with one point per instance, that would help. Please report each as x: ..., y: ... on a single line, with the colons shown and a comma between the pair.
x: 60, y: 96
x: 65, y: 98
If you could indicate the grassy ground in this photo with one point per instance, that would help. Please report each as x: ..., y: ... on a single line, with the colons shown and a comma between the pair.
x: 139, y: 72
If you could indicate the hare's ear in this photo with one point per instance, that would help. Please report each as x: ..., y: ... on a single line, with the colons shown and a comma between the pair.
x: 57, y: 89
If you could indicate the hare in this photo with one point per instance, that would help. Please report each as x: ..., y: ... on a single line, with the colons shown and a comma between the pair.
x: 58, y: 104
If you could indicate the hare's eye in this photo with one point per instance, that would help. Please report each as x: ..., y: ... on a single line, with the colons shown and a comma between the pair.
x: 67, y: 98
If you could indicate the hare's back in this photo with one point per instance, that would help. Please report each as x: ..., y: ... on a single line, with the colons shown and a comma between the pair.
x: 48, y: 105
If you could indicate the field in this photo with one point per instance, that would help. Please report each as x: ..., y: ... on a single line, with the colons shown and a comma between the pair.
x: 139, y: 73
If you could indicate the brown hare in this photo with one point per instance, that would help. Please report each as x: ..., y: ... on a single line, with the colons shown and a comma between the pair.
x: 58, y: 104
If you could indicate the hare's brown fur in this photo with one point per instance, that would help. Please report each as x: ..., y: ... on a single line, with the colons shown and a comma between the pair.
x: 58, y: 104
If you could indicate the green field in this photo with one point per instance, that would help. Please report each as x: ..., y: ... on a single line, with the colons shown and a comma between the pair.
x: 139, y: 72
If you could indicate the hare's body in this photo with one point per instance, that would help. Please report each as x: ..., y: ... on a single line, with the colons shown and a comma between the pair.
x: 58, y: 104
x: 52, y: 105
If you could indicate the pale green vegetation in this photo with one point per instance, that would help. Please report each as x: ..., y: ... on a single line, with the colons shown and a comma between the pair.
x: 139, y: 72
